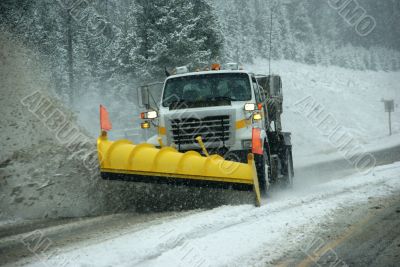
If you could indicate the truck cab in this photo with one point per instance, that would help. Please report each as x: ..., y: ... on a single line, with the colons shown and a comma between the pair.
x: 227, y: 109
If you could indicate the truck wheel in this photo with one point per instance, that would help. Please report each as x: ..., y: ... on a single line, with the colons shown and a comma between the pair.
x: 262, y: 172
x: 288, y: 178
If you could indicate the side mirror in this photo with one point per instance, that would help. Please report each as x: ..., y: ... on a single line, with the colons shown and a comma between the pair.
x: 149, y: 95
x: 144, y: 97
x: 275, y: 85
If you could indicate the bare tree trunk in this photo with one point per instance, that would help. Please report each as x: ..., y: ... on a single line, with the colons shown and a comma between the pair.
x: 70, y: 60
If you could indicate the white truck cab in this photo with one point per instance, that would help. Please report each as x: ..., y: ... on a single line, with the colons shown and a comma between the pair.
x: 228, y: 109
x: 212, y: 105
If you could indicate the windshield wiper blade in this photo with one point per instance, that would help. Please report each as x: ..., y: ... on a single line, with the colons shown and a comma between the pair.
x: 218, y: 98
x: 175, y: 103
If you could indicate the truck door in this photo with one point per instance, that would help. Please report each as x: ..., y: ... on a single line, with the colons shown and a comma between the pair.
x: 260, y: 99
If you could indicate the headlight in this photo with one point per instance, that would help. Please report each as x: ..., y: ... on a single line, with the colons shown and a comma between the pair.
x: 152, y: 115
x: 250, y: 107
x: 149, y: 115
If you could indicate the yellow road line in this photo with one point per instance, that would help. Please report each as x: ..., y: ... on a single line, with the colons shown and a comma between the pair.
x: 333, y: 244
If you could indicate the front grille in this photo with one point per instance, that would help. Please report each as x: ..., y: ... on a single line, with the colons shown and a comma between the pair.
x: 212, y: 129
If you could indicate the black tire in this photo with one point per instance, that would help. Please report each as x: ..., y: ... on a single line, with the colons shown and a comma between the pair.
x: 289, y: 174
x: 261, y: 161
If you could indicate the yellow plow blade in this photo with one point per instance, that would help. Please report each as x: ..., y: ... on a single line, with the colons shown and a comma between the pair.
x: 123, y: 160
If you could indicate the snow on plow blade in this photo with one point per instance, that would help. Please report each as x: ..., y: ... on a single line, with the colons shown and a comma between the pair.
x: 123, y: 160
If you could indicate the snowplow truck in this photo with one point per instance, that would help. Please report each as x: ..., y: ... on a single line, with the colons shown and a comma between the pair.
x: 214, y: 128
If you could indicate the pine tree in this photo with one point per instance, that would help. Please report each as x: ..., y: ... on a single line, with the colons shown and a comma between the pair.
x: 282, y: 38
x: 301, y: 23
x: 207, y: 26
x: 171, y: 34
x: 247, y: 29
x: 230, y: 29
x: 261, y: 24
x: 303, y: 32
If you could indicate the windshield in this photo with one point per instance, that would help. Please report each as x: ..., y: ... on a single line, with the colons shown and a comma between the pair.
x: 207, y: 88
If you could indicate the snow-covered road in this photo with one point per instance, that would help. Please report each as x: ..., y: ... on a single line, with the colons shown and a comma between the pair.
x: 232, y: 235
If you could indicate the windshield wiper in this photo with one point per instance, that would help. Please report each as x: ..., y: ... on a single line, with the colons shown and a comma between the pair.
x: 182, y: 104
x: 219, y: 98
x: 176, y: 103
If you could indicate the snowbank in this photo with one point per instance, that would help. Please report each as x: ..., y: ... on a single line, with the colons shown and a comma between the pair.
x: 352, y: 98
x: 40, y: 177
x: 48, y: 165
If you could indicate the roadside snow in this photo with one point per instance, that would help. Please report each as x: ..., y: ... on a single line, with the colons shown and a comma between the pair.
x: 352, y: 97
x: 238, y: 235
x: 42, y: 176
x: 38, y: 178
x: 374, y: 145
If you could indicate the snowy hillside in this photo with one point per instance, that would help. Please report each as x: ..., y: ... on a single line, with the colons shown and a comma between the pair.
x: 39, y: 176
x: 353, y: 98
x: 42, y: 167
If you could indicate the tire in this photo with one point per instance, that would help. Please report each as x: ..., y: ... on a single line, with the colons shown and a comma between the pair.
x: 288, y: 177
x: 262, y: 173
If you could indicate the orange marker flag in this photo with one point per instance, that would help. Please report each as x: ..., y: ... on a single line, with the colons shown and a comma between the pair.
x: 105, y: 123
x: 257, y: 144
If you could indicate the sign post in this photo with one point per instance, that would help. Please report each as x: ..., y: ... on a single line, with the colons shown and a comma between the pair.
x: 389, y: 108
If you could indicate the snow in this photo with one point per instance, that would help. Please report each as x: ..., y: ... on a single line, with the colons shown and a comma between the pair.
x: 235, y: 235
x: 352, y: 97
x: 39, y: 176
x: 41, y: 179
x: 374, y: 145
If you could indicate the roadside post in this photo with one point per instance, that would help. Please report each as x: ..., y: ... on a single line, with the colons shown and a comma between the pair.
x: 389, y: 108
